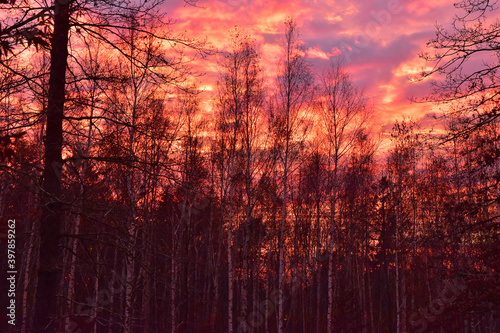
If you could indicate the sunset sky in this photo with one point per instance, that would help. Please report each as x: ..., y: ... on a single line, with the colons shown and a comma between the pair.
x: 379, y: 41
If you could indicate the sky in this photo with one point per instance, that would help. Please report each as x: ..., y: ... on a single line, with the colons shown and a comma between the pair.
x: 378, y: 41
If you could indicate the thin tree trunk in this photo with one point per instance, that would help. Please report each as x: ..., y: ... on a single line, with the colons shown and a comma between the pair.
x: 281, y: 271
x: 146, y: 295
x: 130, y: 254
x: 173, y: 286
x: 370, y: 303
x: 248, y: 214
x: 318, y: 267
x: 397, y: 280
x: 229, y: 240
x: 132, y: 197
x: 267, y: 286
x: 98, y: 301
x: 72, y: 278
x: 130, y: 278
x: 230, y: 275
x: 114, y: 292
x: 403, y: 298
x: 27, y: 309
x: 215, y: 279
x: 304, y: 306
x: 331, y: 266
x: 256, y: 278
x: 244, y: 284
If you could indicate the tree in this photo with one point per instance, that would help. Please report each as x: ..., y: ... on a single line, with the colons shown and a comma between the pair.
x: 402, y: 172
x: 343, y: 109
x: 467, y: 57
x: 311, y: 193
x: 240, y: 97
x: 49, y: 27
x: 50, y: 270
x: 293, y: 96
x: 460, y: 55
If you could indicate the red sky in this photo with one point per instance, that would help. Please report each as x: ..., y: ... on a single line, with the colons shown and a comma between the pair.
x: 379, y: 41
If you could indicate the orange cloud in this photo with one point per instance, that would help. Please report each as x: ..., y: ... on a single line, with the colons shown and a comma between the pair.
x: 316, y: 52
x: 378, y: 41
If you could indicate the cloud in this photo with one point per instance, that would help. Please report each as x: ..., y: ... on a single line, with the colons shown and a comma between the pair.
x: 379, y: 40
x: 316, y: 52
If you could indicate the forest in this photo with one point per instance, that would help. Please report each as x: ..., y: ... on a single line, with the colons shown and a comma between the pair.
x: 131, y: 200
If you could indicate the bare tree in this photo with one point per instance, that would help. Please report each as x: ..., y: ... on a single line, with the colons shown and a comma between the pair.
x: 344, y: 112
x: 473, y: 37
x: 293, y: 97
x: 49, y: 26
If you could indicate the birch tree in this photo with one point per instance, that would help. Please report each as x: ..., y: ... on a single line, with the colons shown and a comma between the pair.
x: 293, y: 96
x: 344, y: 111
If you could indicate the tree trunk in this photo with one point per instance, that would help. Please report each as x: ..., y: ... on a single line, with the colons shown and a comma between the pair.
x: 146, y: 296
x: 27, y: 309
x: 330, y: 261
x: 114, y: 292
x: 216, y: 263
x: 230, y: 275
x: 98, y: 301
x: 281, y: 271
x: 396, y: 264
x: 244, y: 284
x: 318, y: 266
x: 50, y: 268
x: 72, y: 276
x: 130, y: 278
x: 173, y: 286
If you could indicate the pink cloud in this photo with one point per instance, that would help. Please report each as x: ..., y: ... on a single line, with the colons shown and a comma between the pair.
x: 379, y: 41
x: 316, y: 52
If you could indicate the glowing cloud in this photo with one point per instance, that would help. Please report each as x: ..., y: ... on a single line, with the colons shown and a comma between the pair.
x: 378, y: 41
